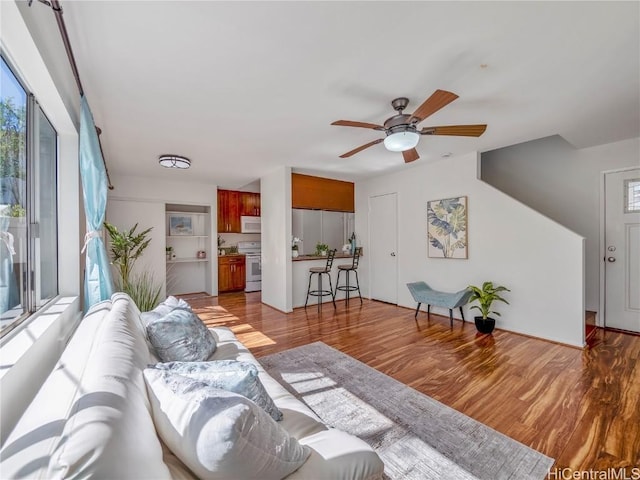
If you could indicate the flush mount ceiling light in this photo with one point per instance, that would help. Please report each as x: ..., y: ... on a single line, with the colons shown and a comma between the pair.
x: 401, y: 140
x: 174, y: 161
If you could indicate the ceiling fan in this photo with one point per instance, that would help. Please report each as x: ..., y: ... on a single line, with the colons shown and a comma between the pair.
x: 402, y: 134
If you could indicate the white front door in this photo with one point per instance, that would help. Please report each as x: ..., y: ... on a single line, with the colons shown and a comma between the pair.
x: 383, y: 212
x: 622, y: 250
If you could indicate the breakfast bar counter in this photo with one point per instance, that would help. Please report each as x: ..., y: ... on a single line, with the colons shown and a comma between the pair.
x: 300, y: 258
x: 300, y: 270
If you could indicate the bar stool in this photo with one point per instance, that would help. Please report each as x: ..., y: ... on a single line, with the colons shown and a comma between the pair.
x: 322, y: 271
x: 353, y: 267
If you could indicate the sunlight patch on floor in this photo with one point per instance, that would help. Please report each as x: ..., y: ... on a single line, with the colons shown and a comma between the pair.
x: 251, y: 337
x: 217, y: 316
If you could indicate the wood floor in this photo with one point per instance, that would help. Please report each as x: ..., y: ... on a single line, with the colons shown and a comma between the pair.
x: 581, y: 407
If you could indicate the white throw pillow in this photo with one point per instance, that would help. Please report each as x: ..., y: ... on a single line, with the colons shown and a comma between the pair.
x: 230, y: 375
x: 220, y: 434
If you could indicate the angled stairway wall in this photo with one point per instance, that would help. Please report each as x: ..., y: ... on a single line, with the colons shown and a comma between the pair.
x: 562, y: 183
x: 509, y: 243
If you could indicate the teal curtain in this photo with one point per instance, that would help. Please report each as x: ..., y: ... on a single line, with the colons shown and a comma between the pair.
x: 98, y: 283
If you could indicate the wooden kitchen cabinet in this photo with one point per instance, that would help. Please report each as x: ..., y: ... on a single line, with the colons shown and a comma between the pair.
x: 250, y: 204
x: 318, y: 193
x: 231, y: 273
x: 228, y: 211
x: 232, y: 205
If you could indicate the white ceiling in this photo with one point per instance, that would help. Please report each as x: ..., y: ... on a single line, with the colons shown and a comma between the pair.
x: 242, y: 88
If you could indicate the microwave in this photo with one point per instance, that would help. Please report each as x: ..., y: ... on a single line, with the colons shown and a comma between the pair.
x: 249, y: 224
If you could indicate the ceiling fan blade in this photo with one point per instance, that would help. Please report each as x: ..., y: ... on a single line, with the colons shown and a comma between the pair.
x: 456, y: 130
x: 349, y: 123
x: 362, y: 147
x: 410, y: 155
x: 431, y: 105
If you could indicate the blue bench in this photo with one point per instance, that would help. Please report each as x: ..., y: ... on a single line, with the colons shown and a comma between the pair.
x: 423, y: 293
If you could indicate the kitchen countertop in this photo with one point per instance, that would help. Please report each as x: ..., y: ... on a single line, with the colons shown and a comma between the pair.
x: 301, y: 258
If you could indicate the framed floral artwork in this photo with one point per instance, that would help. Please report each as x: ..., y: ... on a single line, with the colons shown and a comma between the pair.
x: 447, y: 228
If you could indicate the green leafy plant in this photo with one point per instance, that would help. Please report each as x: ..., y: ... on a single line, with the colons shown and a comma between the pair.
x: 485, y: 296
x: 126, y: 247
x: 321, y: 247
x: 144, y: 291
x: 15, y: 211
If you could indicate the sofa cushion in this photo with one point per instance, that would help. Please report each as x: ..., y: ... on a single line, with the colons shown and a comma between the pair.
x: 181, y: 336
x: 337, y: 455
x: 231, y: 375
x: 91, y: 418
x: 220, y: 434
x: 298, y: 419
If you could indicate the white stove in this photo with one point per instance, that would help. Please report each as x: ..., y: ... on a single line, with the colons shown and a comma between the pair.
x: 251, y: 250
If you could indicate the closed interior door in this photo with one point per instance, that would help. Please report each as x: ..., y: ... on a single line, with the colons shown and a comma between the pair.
x: 383, y: 214
x: 622, y: 250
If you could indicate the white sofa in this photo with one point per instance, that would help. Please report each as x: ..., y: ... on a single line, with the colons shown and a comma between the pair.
x: 92, y: 416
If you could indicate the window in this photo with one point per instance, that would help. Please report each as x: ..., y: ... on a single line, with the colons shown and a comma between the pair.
x: 632, y: 195
x: 28, y: 204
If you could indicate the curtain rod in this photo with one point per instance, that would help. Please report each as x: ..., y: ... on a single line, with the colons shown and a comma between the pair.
x: 57, y: 9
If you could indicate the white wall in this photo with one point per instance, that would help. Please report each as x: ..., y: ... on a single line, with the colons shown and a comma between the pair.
x: 563, y: 183
x: 275, y: 197
x: 124, y: 214
x: 509, y: 243
x: 138, y: 200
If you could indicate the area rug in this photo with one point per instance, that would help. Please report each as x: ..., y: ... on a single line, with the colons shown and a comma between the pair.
x: 416, y: 436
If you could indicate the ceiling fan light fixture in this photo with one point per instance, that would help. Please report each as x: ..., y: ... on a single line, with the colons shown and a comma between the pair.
x: 401, y: 141
x: 174, y: 161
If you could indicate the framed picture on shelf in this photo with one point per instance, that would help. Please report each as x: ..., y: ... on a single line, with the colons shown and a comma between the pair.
x: 180, y: 225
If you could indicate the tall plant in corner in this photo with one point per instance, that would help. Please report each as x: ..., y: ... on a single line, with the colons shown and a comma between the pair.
x: 126, y: 247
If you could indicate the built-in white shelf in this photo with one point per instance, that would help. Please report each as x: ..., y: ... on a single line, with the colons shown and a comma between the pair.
x: 185, y: 213
x: 185, y: 272
x: 173, y: 237
x: 188, y: 260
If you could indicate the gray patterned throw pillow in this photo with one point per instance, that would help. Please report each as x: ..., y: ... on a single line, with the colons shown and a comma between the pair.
x: 230, y: 375
x: 163, y: 309
x: 181, y: 336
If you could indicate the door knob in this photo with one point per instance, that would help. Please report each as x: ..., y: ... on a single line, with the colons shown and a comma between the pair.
x: 611, y: 259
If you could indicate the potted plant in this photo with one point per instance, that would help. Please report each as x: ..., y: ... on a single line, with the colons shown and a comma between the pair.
x: 322, y: 249
x: 169, y: 252
x: 485, y: 296
x: 126, y: 247
x: 294, y: 246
